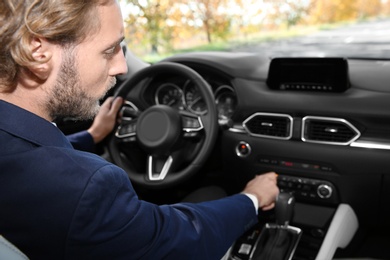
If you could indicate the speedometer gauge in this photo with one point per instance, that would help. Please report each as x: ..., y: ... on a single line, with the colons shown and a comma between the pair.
x: 171, y: 95
x: 194, y: 100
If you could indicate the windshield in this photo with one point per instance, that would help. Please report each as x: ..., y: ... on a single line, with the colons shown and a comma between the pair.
x: 276, y: 28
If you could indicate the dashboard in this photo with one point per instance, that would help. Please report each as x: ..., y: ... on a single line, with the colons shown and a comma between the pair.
x: 327, y: 135
x: 322, y: 124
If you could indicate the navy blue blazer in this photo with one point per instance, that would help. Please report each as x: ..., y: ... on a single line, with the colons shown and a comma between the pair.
x: 60, y: 203
x: 82, y: 141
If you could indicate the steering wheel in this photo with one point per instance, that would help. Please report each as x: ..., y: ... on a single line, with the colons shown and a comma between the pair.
x: 171, y: 144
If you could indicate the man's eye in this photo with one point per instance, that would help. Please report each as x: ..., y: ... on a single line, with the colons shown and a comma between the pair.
x: 112, y: 50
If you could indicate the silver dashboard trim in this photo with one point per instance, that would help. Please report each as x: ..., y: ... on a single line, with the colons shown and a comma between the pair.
x: 371, y: 145
x: 270, y: 115
x: 330, y: 119
x: 239, y: 129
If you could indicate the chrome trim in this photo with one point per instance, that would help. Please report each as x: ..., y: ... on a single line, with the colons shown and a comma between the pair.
x: 159, y: 176
x: 130, y: 104
x: 239, y: 154
x: 238, y: 129
x: 328, y: 188
x: 274, y: 115
x: 330, y: 119
x: 371, y: 145
x: 221, y: 88
x: 125, y: 135
x: 296, y: 230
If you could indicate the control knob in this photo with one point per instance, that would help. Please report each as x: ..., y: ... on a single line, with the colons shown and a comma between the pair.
x: 324, y: 191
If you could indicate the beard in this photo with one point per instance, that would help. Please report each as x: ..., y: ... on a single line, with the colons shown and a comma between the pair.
x: 67, y: 98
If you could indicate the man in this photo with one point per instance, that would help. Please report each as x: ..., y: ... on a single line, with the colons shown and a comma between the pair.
x: 58, y: 58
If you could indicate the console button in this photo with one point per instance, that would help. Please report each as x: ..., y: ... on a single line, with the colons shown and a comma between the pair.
x: 307, y: 189
x: 243, y: 149
x: 324, y: 191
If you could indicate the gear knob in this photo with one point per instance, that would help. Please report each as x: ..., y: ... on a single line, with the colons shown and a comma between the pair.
x: 284, y: 208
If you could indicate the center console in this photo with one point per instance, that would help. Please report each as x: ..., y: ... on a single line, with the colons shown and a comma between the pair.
x: 325, y: 224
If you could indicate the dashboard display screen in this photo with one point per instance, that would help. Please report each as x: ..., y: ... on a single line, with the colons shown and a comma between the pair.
x: 308, y: 74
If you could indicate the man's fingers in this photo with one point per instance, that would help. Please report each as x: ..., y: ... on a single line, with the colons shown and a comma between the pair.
x: 116, y: 104
x: 268, y: 207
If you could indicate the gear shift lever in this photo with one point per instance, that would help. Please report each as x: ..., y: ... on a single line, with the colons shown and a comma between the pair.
x: 284, y: 208
x: 279, y: 240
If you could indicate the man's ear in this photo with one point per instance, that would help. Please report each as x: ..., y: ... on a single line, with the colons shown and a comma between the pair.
x: 42, y: 52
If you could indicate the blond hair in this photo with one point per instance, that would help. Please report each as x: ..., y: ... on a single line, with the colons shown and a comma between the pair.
x: 59, y: 21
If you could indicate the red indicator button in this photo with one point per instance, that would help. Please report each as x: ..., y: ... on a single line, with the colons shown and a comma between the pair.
x: 288, y: 164
x: 243, y: 149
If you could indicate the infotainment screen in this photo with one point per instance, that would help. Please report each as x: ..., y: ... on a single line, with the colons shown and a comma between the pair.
x: 309, y: 74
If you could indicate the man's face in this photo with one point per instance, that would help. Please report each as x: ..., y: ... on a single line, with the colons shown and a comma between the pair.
x: 88, y: 70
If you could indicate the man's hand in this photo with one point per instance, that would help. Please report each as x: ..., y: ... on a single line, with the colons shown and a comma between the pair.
x: 104, y: 121
x: 265, y: 189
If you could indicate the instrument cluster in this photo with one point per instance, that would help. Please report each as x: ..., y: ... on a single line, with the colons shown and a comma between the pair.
x: 188, y: 97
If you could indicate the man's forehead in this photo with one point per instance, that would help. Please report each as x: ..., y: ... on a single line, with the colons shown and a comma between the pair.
x: 111, y: 23
x: 111, y: 28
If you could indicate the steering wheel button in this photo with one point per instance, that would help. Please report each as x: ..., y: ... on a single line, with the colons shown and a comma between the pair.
x: 130, y: 128
x: 190, y: 122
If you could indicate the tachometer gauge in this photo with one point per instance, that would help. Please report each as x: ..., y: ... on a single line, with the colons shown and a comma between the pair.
x: 226, y: 102
x: 171, y: 95
x: 194, y: 100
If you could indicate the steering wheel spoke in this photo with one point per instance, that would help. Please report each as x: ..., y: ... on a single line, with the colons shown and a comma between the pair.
x: 158, y: 168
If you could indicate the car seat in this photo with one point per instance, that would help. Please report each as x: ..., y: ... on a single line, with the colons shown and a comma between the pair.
x: 9, y: 251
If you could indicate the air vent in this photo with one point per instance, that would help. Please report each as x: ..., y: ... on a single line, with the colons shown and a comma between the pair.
x: 269, y: 125
x: 326, y: 130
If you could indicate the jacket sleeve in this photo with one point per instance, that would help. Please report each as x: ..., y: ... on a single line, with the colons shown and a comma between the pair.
x: 82, y: 141
x: 110, y: 222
